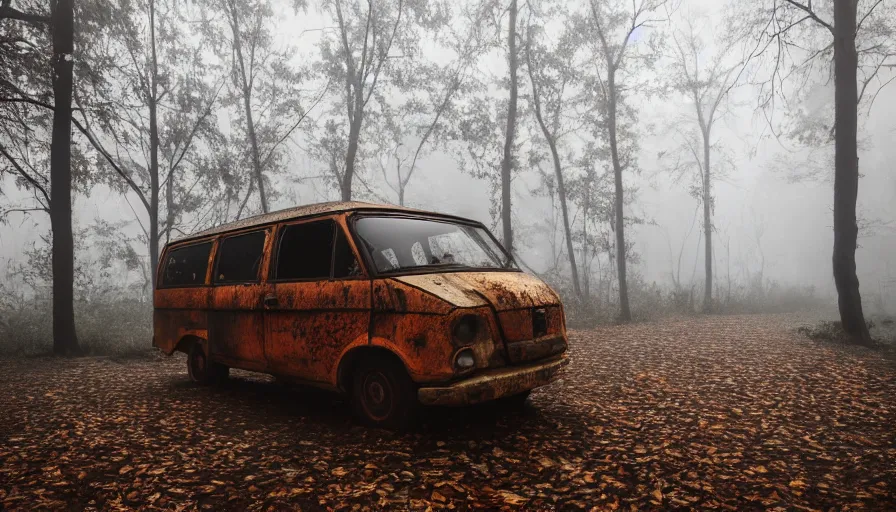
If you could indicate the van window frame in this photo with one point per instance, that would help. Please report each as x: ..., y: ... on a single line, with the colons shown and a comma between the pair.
x: 212, y: 253
x: 275, y: 253
x: 219, y: 243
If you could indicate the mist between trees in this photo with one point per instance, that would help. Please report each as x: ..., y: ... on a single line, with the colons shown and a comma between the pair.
x: 586, y: 134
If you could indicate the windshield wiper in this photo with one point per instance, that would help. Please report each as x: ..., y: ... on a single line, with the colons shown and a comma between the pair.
x: 429, y: 265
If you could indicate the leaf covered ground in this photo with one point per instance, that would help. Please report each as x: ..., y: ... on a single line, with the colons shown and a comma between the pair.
x: 736, y: 412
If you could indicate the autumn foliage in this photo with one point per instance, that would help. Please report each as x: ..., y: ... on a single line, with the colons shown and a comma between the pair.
x: 728, y: 413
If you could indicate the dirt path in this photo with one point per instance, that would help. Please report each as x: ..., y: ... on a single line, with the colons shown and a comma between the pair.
x: 723, y: 412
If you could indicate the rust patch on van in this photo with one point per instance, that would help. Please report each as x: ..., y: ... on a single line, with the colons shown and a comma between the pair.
x: 494, y: 384
x: 396, y: 296
x: 503, y: 290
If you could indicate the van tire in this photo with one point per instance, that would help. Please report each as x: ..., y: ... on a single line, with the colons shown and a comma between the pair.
x: 201, y: 370
x: 383, y: 395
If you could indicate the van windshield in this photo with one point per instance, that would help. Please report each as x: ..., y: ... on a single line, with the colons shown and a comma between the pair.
x: 402, y: 243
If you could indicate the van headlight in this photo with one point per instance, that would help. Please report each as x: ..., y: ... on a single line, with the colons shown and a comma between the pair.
x: 464, y: 360
x: 466, y: 329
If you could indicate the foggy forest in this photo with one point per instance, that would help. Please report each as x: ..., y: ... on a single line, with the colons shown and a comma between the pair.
x: 708, y: 187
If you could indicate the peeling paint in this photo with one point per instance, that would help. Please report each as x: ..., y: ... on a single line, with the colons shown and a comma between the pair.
x: 503, y: 290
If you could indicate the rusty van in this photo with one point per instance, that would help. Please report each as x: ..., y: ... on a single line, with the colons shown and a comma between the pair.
x: 391, y: 306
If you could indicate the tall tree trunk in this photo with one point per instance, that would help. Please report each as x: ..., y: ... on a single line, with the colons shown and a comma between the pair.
x: 728, y: 268
x: 625, y: 314
x: 170, y: 211
x: 246, y: 90
x: 586, y: 269
x: 507, y: 162
x: 846, y: 175
x: 558, y: 172
x: 65, y: 340
x: 354, y: 134
x: 707, y: 224
x: 561, y: 188
x: 253, y: 140
x: 153, y: 149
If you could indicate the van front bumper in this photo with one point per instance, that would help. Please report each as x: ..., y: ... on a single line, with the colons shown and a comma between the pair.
x: 494, y: 384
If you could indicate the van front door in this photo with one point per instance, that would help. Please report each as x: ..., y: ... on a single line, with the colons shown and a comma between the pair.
x: 318, y: 300
x: 236, y: 319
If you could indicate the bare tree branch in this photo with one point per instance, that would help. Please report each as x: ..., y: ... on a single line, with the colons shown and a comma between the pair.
x: 10, y: 13
x: 808, y: 10
x: 25, y: 175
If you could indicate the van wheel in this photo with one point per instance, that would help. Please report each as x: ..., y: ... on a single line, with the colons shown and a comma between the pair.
x: 383, y: 395
x: 201, y: 370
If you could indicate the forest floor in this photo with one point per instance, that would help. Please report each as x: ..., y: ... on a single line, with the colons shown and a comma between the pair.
x: 723, y: 412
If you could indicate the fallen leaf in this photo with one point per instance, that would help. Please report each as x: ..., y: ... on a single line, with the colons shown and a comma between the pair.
x: 512, y: 498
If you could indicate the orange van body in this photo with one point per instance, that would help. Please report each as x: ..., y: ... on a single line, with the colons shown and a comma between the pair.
x: 316, y: 330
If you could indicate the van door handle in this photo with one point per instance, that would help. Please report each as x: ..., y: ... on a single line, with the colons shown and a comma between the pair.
x: 270, y: 300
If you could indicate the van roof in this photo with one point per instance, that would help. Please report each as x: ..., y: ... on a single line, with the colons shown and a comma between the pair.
x: 307, y: 210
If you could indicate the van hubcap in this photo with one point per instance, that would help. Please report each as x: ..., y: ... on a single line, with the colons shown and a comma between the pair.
x: 377, y: 399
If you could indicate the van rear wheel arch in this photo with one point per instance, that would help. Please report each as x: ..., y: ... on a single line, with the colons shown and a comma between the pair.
x: 200, y: 368
x: 186, y: 343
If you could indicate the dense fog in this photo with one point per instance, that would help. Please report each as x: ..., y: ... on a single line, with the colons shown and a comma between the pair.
x: 433, y: 96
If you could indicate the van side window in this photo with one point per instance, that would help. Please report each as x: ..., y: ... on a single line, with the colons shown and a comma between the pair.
x: 305, y: 251
x: 344, y: 262
x: 239, y: 258
x: 186, y: 266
